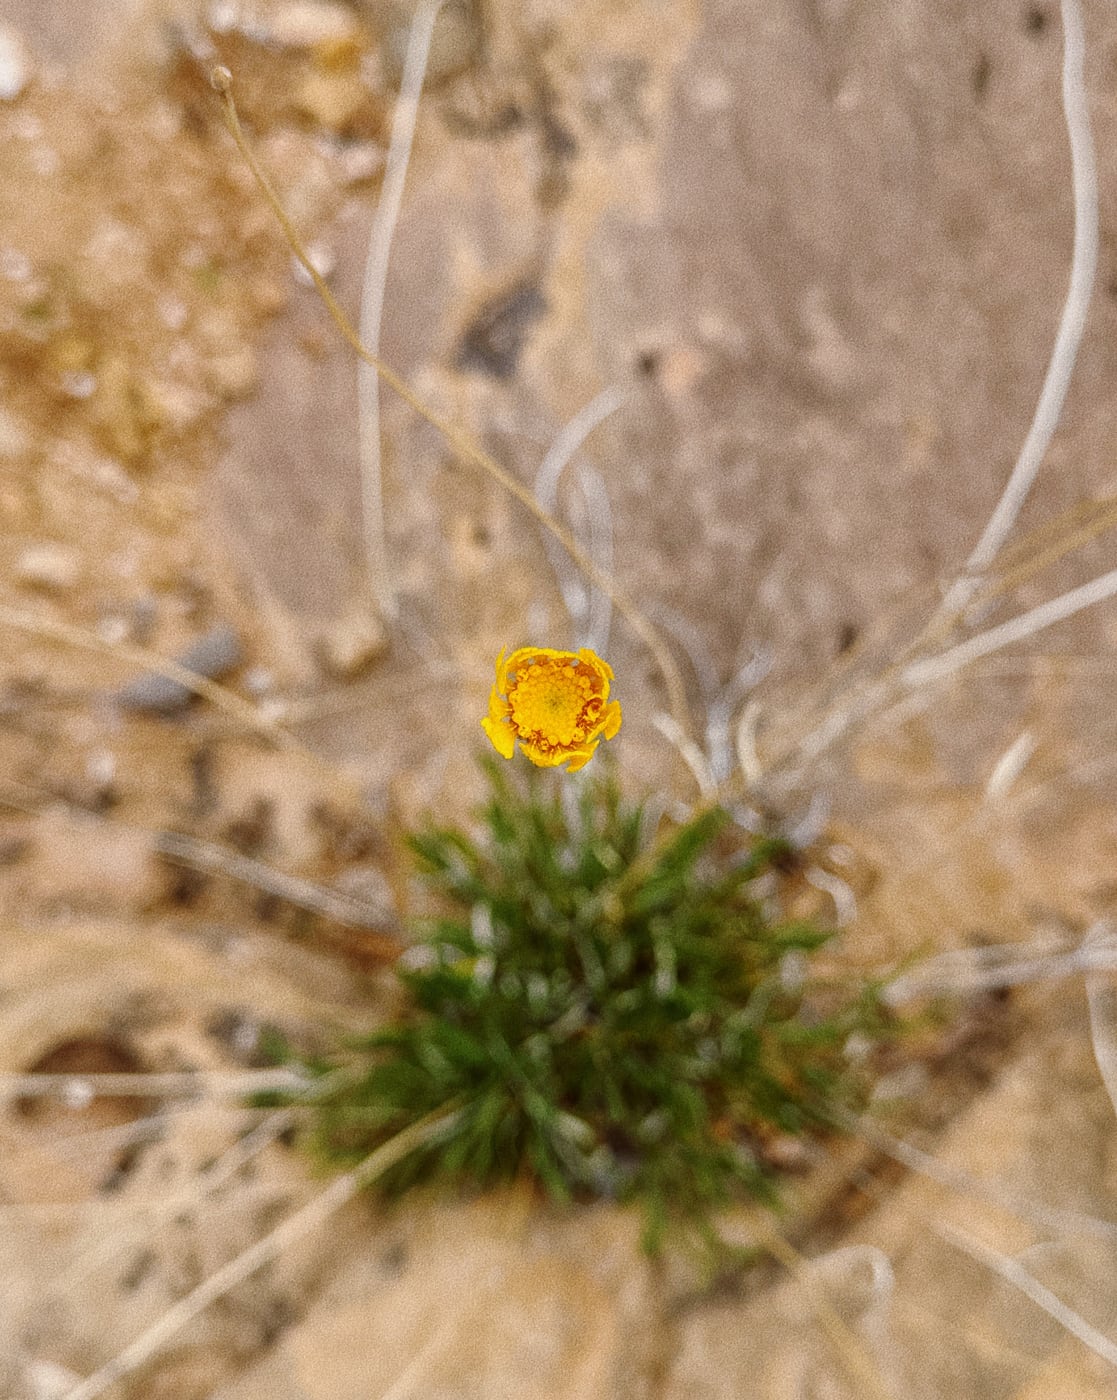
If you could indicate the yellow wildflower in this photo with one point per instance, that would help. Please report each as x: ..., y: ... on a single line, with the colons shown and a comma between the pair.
x: 556, y: 703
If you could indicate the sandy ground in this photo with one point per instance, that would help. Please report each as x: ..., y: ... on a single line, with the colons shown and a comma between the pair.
x: 821, y: 249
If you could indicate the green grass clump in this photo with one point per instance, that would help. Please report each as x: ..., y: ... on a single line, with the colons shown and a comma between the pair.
x: 612, y: 1011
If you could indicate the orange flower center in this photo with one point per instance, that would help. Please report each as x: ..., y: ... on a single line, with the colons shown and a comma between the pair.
x: 553, y: 702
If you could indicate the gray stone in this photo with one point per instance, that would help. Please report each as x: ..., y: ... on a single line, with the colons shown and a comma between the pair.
x: 212, y: 656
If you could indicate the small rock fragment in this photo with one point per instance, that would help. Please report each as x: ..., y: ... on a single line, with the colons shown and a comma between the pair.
x: 331, y: 100
x: 15, y: 440
x: 497, y: 333
x: 212, y: 656
x: 15, y: 64
x: 48, y: 1380
x: 322, y: 259
x: 180, y: 405
x: 352, y: 644
x: 233, y: 373
x: 52, y: 567
x: 361, y: 162
x: 259, y: 681
x: 325, y: 29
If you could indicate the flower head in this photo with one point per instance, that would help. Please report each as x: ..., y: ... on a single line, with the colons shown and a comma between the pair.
x: 556, y: 703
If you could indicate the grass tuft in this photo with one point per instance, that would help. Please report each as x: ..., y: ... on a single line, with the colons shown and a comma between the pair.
x: 611, y: 1012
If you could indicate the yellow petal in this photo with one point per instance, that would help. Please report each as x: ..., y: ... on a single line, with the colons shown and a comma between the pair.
x: 580, y: 758
x: 612, y: 717
x: 498, y: 706
x: 500, y: 735
x: 523, y: 655
x: 543, y: 758
x: 592, y: 659
x: 502, y: 671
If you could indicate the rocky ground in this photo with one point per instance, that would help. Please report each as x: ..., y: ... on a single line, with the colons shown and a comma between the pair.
x: 821, y: 249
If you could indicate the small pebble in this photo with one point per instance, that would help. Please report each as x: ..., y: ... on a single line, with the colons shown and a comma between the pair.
x: 331, y: 100
x: 173, y: 312
x: 323, y: 28
x: 212, y: 656
x: 259, y: 681
x: 27, y: 126
x: 233, y: 373
x: 322, y: 259
x: 14, y: 64
x: 77, y: 383
x: 14, y: 265
x: 49, y: 1381
x: 15, y: 440
x: 100, y: 767
x: 52, y: 567
x: 223, y: 17
x: 352, y: 644
x: 113, y: 629
x: 361, y: 163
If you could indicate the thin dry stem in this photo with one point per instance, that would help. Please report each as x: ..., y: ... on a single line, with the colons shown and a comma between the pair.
x: 1014, y: 1272
x: 1009, y: 766
x: 691, y: 755
x: 845, y: 901
x: 213, y: 859
x: 372, y: 300
x: 876, y: 1318
x: 303, y: 894
x: 918, y: 674
x: 595, y: 496
x: 313, y: 1215
x: 1069, y: 1222
x: 462, y: 444
x: 854, y: 1357
x: 1072, y: 322
x: 151, y: 1215
x: 1099, y: 998
x: 1095, y: 516
x: 1045, y: 545
x: 905, y: 680
x: 970, y: 971
x: 568, y: 441
x: 141, y: 658
x: 903, y: 674
x: 192, y: 1084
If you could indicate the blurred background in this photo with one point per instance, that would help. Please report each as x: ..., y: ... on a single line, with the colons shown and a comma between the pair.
x: 814, y: 252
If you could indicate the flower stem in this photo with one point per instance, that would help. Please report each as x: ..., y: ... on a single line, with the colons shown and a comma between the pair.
x: 462, y: 444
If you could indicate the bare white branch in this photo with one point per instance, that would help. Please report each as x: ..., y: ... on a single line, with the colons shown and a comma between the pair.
x: 372, y: 301
x: 1012, y: 1271
x: 1068, y: 1222
x: 936, y: 668
x: 882, y: 693
x: 1083, y: 266
x: 191, y: 1084
x: 1099, y: 997
x: 1009, y: 766
x: 690, y: 753
x: 593, y: 616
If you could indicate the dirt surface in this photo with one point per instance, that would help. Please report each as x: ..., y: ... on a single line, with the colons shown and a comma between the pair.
x: 821, y: 249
